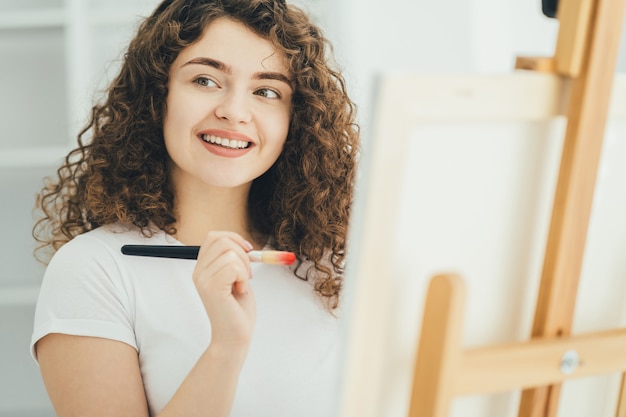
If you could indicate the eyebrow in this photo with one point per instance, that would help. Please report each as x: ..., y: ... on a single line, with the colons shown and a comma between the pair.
x: 220, y: 66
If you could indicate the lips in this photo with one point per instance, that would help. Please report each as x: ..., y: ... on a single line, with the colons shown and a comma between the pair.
x: 225, y: 142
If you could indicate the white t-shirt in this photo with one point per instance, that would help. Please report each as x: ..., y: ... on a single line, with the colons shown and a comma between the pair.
x: 91, y: 289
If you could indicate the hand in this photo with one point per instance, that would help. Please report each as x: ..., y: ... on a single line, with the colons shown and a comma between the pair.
x: 221, y: 277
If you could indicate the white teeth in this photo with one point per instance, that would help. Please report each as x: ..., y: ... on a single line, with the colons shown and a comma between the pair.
x: 232, y: 143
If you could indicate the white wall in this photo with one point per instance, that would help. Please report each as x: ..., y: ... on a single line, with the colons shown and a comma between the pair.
x: 401, y: 35
x: 444, y: 36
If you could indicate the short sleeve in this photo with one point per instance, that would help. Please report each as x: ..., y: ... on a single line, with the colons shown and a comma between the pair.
x: 83, y: 293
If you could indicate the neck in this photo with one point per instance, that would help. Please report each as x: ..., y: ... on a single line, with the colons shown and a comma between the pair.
x: 201, y: 211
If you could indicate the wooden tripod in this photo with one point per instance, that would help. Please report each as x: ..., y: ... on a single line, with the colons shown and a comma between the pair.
x: 585, y: 56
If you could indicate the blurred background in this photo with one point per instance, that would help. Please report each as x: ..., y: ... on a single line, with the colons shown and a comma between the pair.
x: 57, y: 55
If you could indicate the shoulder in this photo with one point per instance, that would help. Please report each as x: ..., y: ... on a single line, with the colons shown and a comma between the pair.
x: 86, y: 289
x: 108, y: 239
x: 98, y: 252
x: 92, y: 267
x: 84, y: 254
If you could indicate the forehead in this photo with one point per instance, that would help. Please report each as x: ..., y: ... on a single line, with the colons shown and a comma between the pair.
x: 237, y: 45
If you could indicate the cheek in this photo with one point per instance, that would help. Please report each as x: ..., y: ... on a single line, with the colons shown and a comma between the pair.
x: 283, y: 125
x: 178, y: 117
x: 273, y: 126
x: 174, y: 121
x: 281, y: 138
x: 276, y: 137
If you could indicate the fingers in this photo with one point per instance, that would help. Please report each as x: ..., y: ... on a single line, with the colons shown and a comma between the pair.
x: 223, y: 262
x: 219, y: 243
x: 221, y: 277
x: 223, y: 271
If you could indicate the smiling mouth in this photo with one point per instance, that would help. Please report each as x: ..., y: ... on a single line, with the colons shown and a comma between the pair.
x: 225, y: 143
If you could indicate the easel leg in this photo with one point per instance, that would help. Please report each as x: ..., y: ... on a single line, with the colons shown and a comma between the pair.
x: 621, y: 401
x: 587, y: 114
x: 439, y: 350
x: 540, y: 402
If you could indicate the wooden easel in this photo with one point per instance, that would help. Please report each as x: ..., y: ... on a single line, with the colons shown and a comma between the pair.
x: 586, y: 54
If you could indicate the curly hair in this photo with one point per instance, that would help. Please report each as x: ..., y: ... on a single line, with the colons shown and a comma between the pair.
x: 120, y: 174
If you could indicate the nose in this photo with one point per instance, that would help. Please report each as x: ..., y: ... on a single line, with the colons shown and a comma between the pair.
x: 234, y: 107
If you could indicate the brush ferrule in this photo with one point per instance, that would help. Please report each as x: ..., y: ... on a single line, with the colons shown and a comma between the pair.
x: 255, y: 256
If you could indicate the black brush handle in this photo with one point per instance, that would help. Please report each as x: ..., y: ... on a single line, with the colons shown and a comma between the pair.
x: 162, y: 251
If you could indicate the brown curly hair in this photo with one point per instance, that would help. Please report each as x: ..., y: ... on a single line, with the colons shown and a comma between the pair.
x: 302, y: 203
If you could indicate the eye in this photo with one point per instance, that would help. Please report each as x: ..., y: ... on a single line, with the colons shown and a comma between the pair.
x: 267, y: 93
x: 204, y: 82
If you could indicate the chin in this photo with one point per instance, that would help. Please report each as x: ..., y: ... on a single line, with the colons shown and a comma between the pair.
x: 226, y: 182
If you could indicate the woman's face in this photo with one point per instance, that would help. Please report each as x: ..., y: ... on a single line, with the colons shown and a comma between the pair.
x: 228, y: 108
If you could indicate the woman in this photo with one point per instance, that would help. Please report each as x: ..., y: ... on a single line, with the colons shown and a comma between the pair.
x: 226, y: 128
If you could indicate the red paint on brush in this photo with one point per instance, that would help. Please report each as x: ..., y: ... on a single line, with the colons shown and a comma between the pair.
x: 273, y: 257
